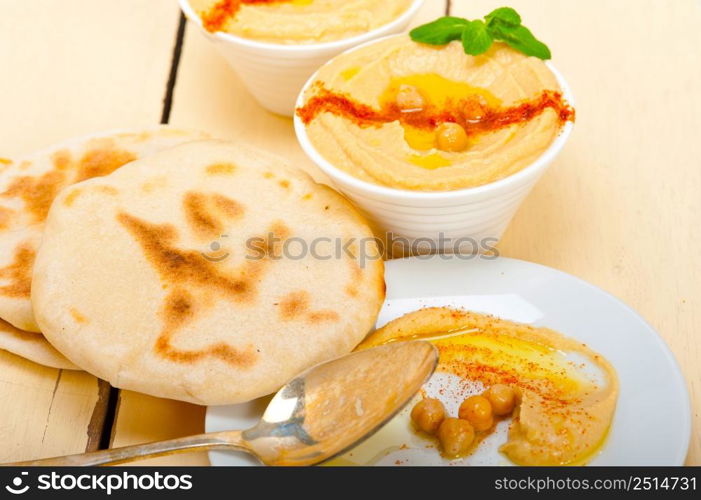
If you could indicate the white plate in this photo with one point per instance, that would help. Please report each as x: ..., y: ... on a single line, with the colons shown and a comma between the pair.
x: 652, y: 424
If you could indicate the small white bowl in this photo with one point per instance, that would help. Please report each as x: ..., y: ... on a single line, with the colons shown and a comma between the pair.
x: 471, y: 219
x: 274, y: 73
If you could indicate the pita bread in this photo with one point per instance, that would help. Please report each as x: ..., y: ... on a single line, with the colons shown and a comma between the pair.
x: 32, y: 346
x: 182, y: 275
x: 28, y: 186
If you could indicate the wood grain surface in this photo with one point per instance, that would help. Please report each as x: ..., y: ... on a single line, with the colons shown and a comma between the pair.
x: 619, y: 206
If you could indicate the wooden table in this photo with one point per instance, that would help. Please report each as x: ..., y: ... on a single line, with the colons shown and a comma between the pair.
x: 618, y: 208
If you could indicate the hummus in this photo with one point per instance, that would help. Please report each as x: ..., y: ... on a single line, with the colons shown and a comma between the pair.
x: 299, y: 21
x: 399, y: 155
x: 568, y: 392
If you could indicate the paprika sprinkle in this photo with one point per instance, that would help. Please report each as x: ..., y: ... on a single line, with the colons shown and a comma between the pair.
x: 217, y: 16
x: 430, y: 117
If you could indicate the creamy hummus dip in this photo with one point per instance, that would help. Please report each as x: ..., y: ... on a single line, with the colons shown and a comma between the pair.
x: 298, y: 21
x: 568, y: 392
x: 393, y: 73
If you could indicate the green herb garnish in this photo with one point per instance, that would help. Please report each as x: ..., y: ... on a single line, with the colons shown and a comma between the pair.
x: 503, y: 24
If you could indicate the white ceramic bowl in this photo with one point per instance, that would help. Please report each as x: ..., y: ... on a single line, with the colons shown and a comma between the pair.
x: 275, y: 73
x: 471, y: 219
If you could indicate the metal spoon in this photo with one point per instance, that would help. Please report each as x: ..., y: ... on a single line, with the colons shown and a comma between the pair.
x: 318, y: 415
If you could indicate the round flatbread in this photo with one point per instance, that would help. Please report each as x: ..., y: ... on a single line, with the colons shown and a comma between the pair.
x: 209, y: 273
x: 32, y: 346
x: 29, y: 185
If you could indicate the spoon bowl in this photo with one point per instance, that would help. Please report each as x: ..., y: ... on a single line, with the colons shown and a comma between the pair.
x: 316, y: 416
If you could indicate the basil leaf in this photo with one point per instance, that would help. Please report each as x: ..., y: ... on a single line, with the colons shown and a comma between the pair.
x: 476, y: 39
x: 506, y: 15
x: 521, y: 39
x: 439, y: 32
x: 477, y: 36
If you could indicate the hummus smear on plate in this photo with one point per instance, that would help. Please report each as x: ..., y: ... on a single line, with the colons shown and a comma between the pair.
x: 411, y: 116
x: 567, y: 392
x: 297, y: 21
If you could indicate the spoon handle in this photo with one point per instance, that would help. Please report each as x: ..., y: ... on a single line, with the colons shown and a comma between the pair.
x: 199, y: 442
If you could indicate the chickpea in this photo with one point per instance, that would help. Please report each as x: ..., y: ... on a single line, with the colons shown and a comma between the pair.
x: 428, y: 414
x: 518, y: 394
x: 478, y: 411
x: 409, y: 98
x: 502, y: 397
x: 451, y: 137
x: 455, y: 436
